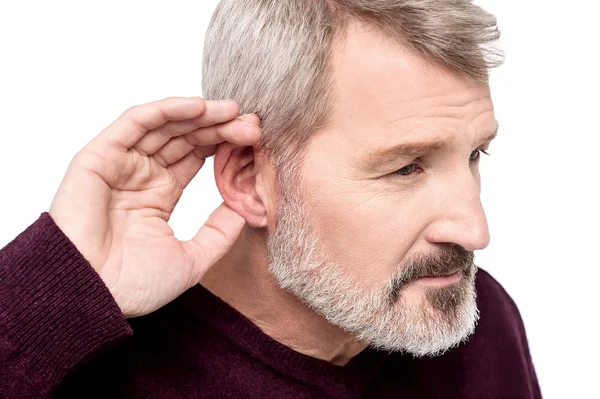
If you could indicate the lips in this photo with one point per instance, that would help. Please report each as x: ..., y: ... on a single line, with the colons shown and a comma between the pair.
x: 439, y: 275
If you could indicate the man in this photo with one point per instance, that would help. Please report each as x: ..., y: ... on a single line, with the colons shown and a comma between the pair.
x: 341, y: 261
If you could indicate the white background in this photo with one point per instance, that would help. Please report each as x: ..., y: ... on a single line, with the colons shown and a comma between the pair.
x: 69, y: 68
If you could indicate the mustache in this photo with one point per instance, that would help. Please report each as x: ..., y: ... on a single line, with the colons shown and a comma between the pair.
x: 446, y: 260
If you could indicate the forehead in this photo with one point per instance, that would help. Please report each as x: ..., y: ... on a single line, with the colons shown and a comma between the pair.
x: 381, y: 91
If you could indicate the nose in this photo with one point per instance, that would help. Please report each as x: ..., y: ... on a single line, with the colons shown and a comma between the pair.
x: 459, y: 217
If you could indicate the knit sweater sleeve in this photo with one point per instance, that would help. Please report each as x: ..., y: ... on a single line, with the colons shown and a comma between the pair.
x: 55, y: 312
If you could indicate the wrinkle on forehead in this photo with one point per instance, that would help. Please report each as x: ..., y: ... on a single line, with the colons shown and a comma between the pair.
x: 376, y: 84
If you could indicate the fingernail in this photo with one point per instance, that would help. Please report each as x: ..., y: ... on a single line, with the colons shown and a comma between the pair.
x: 243, y: 122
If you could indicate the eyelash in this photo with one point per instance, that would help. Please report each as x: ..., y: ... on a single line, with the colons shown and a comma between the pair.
x: 397, y: 174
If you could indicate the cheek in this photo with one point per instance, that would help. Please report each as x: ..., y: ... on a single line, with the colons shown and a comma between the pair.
x: 478, y: 178
x: 366, y: 231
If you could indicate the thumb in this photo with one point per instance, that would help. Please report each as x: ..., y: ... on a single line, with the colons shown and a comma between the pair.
x: 215, y: 238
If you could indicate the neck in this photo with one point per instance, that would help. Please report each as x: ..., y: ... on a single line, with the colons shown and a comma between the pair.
x: 242, y: 279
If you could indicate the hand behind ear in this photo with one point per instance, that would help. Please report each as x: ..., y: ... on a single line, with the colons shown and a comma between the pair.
x: 118, y: 194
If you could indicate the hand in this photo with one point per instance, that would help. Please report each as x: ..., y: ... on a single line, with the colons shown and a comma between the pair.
x: 121, y: 188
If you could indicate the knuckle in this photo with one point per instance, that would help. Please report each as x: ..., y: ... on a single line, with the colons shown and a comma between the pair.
x: 86, y: 158
x: 131, y: 110
x: 83, y: 156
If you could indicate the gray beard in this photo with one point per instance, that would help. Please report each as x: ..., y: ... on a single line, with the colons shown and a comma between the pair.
x: 445, y: 318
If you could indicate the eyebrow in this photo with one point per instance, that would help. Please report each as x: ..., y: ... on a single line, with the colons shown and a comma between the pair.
x: 384, y: 156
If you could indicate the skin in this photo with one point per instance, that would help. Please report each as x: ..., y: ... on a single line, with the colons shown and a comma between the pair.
x: 116, y: 198
x: 119, y: 191
x: 370, y: 218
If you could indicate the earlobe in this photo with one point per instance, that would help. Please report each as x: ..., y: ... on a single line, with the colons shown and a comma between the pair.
x: 236, y: 177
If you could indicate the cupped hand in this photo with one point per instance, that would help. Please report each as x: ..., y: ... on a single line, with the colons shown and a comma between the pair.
x: 120, y: 190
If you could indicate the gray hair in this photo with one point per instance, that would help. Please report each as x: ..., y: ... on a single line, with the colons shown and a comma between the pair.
x: 272, y: 56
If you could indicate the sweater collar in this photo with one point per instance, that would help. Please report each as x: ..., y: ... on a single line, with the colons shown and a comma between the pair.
x: 353, y: 378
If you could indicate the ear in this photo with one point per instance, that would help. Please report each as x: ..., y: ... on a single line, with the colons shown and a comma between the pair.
x: 240, y: 184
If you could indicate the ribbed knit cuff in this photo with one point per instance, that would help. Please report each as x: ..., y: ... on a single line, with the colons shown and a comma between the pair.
x: 55, y: 309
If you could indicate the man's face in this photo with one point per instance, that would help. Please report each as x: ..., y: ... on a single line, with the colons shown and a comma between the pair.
x: 389, y: 192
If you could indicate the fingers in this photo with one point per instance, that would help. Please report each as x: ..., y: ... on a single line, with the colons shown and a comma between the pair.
x: 215, y: 238
x: 216, y: 112
x: 241, y: 131
x: 251, y: 119
x: 134, y: 123
x: 185, y: 169
x: 173, y: 151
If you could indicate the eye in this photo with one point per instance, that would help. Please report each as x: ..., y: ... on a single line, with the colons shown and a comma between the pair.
x: 475, y: 155
x: 407, y: 170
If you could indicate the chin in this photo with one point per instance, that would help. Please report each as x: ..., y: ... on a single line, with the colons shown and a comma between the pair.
x: 430, y: 321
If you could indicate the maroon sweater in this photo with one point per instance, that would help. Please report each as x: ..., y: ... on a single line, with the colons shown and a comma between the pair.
x: 62, y: 335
